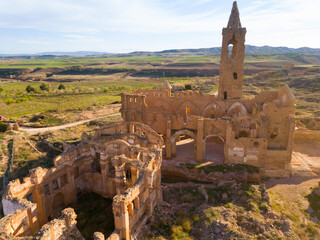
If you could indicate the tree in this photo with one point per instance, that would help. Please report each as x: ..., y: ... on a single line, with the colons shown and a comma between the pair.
x: 3, y: 127
x: 61, y: 86
x: 29, y: 88
x: 188, y: 87
x: 44, y: 87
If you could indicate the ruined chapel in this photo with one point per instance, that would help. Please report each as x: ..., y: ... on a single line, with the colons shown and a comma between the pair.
x: 123, y: 160
x: 256, y: 131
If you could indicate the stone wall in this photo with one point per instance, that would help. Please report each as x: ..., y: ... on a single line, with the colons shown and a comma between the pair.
x: 251, y: 129
x: 121, y: 160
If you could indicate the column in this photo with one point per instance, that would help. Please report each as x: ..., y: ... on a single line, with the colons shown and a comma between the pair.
x: 120, y: 178
x: 168, y: 143
x: 199, y: 141
x: 125, y: 225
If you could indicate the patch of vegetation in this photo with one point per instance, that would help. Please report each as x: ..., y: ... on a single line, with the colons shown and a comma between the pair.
x: 314, y: 201
x: 3, y: 127
x: 225, y: 168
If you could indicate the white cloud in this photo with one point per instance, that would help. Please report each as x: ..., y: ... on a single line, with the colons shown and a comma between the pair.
x: 287, y: 22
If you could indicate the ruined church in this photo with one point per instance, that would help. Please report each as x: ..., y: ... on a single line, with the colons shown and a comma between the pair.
x: 123, y: 160
x: 256, y: 131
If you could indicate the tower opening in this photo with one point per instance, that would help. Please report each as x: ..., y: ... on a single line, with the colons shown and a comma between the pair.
x: 232, y: 47
x: 225, y: 95
x: 235, y: 76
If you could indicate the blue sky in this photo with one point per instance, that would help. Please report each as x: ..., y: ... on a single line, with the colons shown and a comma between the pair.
x: 32, y: 26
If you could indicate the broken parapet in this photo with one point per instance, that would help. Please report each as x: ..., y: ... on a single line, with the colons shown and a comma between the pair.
x: 63, y: 228
x: 23, y: 219
x: 122, y: 159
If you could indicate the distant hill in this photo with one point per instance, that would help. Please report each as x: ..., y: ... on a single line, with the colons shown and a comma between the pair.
x: 180, y: 52
x: 249, y: 50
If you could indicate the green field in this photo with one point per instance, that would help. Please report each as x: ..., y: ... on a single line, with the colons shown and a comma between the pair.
x: 90, y: 82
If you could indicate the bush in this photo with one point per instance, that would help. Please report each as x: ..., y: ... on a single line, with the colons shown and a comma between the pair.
x: 3, y: 127
x: 106, y: 90
x: 61, y: 86
x: 188, y: 87
x: 9, y: 100
x: 29, y: 88
x: 1, y: 90
x: 44, y: 87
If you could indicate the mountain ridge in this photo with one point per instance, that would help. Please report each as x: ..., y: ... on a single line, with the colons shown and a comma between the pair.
x: 249, y: 49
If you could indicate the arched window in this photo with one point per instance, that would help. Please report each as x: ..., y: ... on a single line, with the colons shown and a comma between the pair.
x: 188, y: 110
x: 212, y: 112
x: 235, y: 76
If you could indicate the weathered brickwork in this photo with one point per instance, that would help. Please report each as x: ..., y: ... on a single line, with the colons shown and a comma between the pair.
x: 256, y: 131
x: 121, y: 161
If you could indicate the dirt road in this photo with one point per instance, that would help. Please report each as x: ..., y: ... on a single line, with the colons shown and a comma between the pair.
x: 33, y: 131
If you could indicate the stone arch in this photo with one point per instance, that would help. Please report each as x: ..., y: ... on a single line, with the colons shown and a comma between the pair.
x: 188, y: 133
x: 113, y: 150
x: 218, y: 110
x: 213, y: 150
x: 237, y: 109
x: 181, y: 109
x: 215, y: 135
x: 166, y: 108
x: 183, y: 132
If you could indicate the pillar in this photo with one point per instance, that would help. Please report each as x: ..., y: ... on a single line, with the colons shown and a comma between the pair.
x: 125, y: 225
x: 134, y: 174
x: 72, y: 198
x: 104, y: 173
x: 168, y: 142
x: 31, y: 223
x: 199, y: 140
x: 38, y: 196
x: 131, y: 127
x: 228, y: 139
x: 120, y: 179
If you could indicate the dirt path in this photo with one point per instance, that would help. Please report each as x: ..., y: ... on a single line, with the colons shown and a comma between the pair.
x: 32, y: 131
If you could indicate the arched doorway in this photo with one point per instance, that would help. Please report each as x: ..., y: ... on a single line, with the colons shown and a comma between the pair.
x: 58, y: 205
x: 183, y: 146
x: 214, y: 149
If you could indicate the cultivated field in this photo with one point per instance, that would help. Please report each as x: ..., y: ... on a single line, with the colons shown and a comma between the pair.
x: 71, y: 85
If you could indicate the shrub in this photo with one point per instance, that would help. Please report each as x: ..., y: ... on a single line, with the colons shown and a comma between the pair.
x: 106, y: 90
x: 61, y: 86
x: 29, y: 88
x: 1, y: 90
x: 9, y: 100
x: 44, y: 87
x: 3, y: 127
x: 188, y: 87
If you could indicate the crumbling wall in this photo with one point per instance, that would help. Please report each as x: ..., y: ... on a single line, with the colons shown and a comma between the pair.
x: 107, y: 163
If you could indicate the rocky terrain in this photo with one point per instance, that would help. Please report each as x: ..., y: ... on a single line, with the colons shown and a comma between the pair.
x: 227, y: 210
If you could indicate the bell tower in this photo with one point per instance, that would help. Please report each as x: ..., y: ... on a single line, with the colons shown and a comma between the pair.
x: 232, y: 57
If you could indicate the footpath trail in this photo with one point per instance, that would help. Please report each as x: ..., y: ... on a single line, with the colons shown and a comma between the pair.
x: 33, y: 131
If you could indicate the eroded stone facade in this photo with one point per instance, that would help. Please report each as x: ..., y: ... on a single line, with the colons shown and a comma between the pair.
x: 256, y: 131
x: 121, y: 161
